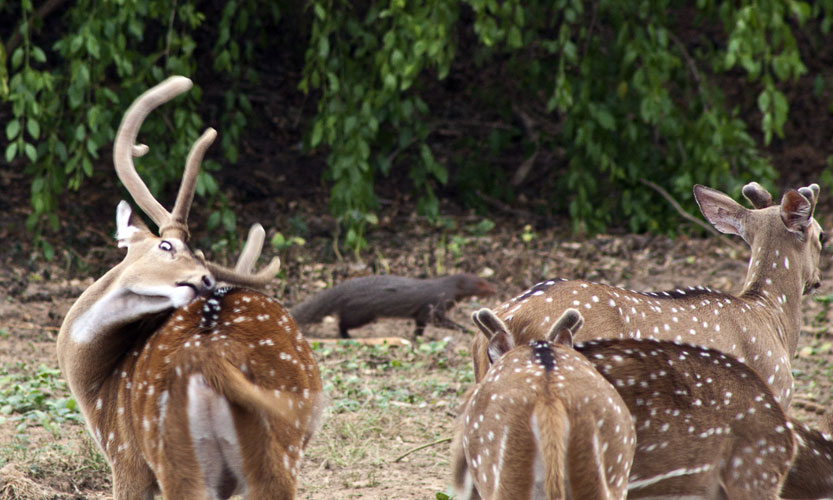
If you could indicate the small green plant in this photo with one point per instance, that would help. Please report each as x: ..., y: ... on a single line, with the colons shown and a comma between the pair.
x: 481, y: 228
x: 825, y: 301
x: 281, y: 242
x: 39, y: 399
x: 528, y: 234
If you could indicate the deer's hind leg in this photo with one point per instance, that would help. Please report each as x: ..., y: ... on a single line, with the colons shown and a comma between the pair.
x: 272, y: 457
x: 133, y: 483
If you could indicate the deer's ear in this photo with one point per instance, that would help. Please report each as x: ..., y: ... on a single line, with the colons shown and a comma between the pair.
x: 489, y: 323
x: 128, y: 224
x: 565, y: 327
x: 562, y: 336
x: 811, y: 192
x: 724, y: 213
x: 499, y: 345
x: 796, y: 211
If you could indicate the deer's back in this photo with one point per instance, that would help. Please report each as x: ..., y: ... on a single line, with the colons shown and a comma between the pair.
x: 701, y: 416
x: 693, y: 315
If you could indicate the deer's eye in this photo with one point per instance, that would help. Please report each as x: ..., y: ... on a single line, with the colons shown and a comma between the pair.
x: 823, y: 238
x: 166, y: 246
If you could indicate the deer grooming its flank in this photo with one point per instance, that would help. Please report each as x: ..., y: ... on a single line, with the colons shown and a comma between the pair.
x: 542, y: 424
x: 707, y: 426
x: 760, y: 326
x: 194, y: 390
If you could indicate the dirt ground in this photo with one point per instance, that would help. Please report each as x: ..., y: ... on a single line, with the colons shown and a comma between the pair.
x: 385, y: 401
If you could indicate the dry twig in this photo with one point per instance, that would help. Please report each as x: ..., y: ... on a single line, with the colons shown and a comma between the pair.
x: 422, y: 447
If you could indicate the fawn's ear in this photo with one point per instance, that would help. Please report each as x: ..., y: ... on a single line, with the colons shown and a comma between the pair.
x: 488, y: 322
x: 128, y: 225
x: 563, y: 330
x: 562, y: 336
x: 495, y: 330
x: 499, y: 345
x: 724, y: 213
x: 796, y: 211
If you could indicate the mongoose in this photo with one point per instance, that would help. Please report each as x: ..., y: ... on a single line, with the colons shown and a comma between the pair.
x: 359, y: 301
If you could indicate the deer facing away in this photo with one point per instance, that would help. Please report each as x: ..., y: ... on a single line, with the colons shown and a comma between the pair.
x: 194, y: 390
x: 707, y: 426
x: 543, y: 424
x: 760, y: 326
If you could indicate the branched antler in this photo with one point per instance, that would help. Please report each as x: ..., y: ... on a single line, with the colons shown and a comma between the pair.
x: 242, y: 274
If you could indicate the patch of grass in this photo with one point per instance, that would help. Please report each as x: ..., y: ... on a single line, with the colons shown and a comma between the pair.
x: 39, y: 398
x: 357, y: 377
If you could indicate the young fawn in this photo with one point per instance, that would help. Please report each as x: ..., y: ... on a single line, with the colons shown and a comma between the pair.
x: 760, y: 326
x: 707, y: 426
x: 543, y: 424
x: 194, y: 390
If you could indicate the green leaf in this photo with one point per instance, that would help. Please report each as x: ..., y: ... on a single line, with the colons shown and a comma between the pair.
x: 229, y: 220
x: 33, y: 128
x: 317, y: 133
x: 12, y: 129
x: 605, y: 119
x: 38, y: 55
x: 30, y: 151
x: 11, y: 152
x: 213, y: 220
x: 323, y: 47
x: 17, y: 57
x: 48, y: 251
x: 515, y: 39
x: 763, y: 101
x: 87, y: 166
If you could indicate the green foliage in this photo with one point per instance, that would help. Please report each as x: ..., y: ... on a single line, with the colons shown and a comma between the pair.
x: 281, y: 242
x: 626, y: 98
x: 38, y: 399
x: 596, y: 95
x: 67, y: 92
x: 365, y: 60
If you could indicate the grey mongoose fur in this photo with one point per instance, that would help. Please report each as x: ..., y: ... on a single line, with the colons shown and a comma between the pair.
x: 359, y: 301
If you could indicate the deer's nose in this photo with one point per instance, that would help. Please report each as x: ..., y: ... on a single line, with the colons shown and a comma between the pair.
x: 207, y: 282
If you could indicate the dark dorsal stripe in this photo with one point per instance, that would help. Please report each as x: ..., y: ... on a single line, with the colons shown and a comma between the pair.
x: 542, y: 351
x: 211, y: 308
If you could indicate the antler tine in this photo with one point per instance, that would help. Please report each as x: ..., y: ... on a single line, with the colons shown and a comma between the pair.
x: 251, y: 249
x: 124, y: 147
x: 178, y: 224
x: 241, y: 275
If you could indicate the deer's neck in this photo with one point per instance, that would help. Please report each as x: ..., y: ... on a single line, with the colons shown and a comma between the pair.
x: 774, y: 287
x: 101, y: 327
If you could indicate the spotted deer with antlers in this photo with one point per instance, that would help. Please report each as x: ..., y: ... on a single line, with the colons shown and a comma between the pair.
x: 189, y: 388
x: 543, y: 424
x: 707, y: 426
x: 760, y: 326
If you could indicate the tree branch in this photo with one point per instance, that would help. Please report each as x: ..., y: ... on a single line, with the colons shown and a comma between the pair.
x: 687, y: 215
x: 692, y: 66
